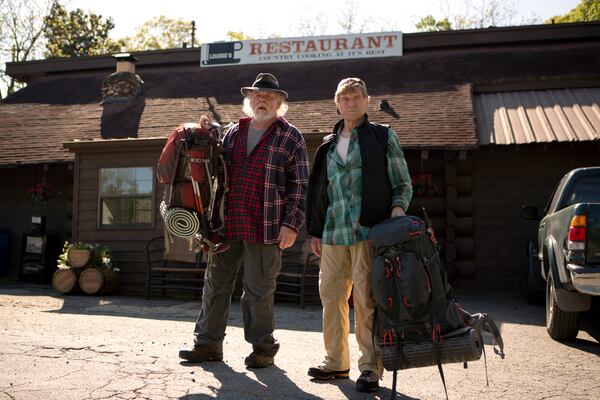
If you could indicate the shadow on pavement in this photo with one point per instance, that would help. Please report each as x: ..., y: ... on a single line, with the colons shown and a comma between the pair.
x: 269, y: 383
x: 590, y: 323
x: 348, y: 388
x: 308, y: 319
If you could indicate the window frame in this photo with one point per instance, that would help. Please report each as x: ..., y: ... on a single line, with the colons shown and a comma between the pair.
x: 152, y: 195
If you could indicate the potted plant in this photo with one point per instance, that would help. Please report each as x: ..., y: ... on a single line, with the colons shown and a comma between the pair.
x: 79, y: 254
x: 103, y: 276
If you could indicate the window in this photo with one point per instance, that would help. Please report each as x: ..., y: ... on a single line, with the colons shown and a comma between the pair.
x: 585, y: 189
x: 125, y: 196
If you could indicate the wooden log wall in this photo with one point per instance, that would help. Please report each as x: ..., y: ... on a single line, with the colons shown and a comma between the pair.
x: 460, y: 229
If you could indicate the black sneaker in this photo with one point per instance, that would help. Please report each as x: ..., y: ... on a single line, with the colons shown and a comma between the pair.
x: 368, y: 381
x: 200, y: 353
x: 259, y: 359
x: 321, y: 373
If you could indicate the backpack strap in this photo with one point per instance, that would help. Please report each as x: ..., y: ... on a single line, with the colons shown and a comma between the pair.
x: 435, y: 339
x: 482, y: 322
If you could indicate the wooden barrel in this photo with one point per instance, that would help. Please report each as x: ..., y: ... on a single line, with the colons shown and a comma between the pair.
x: 96, y: 281
x: 65, y: 280
x: 78, y: 257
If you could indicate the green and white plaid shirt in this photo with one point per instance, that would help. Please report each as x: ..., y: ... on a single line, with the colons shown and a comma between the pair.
x: 345, y: 188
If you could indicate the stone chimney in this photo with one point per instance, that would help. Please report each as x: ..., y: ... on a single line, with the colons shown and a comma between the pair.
x: 124, y: 85
x: 125, y: 62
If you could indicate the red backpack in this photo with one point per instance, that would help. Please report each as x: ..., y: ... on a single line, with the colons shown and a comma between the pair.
x: 192, y: 168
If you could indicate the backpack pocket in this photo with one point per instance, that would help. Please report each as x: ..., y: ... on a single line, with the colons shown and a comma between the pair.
x: 401, y: 285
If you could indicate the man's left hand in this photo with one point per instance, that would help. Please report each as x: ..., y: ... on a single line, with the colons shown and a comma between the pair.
x: 287, y: 237
x: 398, y: 212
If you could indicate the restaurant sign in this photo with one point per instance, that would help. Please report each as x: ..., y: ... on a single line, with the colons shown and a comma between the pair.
x: 314, y: 48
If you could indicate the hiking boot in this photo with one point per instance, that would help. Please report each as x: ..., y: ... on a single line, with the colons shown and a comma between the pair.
x: 202, y: 353
x: 259, y: 359
x: 368, y: 381
x: 321, y: 373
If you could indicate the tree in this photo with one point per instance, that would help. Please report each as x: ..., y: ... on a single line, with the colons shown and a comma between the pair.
x: 474, y: 14
x: 160, y: 33
x: 21, y: 27
x: 351, y: 20
x: 429, y: 24
x: 238, y: 36
x: 310, y: 24
x: 76, y: 34
x: 586, y: 10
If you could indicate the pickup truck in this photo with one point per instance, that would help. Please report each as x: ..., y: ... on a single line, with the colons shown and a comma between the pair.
x: 569, y: 249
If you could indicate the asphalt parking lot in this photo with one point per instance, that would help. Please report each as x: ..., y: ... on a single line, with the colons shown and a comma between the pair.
x: 117, y: 347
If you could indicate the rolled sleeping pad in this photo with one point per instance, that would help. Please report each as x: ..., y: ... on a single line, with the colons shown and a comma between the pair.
x: 461, y: 347
x: 179, y: 221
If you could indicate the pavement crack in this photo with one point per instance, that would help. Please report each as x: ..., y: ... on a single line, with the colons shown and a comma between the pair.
x: 8, y: 395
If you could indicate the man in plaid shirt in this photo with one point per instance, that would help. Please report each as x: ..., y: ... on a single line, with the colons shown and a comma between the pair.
x: 359, y: 178
x: 264, y: 209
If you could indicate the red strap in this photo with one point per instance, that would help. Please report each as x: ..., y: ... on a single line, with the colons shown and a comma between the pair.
x: 406, y: 302
x: 388, y: 335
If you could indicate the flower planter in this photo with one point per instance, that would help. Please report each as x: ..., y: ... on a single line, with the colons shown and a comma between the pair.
x: 97, y: 281
x: 65, y: 280
x: 78, y: 257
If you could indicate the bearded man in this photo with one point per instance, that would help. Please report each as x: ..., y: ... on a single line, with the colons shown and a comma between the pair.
x: 265, y: 207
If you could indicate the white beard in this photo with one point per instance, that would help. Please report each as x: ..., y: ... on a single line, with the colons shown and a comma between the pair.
x: 264, y: 116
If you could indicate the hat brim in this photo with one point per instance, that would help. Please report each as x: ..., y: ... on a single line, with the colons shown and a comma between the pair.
x: 246, y: 90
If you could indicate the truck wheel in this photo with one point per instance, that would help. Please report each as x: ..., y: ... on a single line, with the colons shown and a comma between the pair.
x: 559, y: 324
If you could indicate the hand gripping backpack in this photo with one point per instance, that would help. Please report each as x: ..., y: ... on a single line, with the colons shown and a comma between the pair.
x: 192, y: 168
x: 417, y: 321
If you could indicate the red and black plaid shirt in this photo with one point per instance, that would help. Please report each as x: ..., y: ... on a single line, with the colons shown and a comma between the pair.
x: 267, y: 188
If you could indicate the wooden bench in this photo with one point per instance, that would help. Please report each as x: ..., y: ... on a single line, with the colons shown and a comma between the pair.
x: 164, y: 274
x: 299, y: 276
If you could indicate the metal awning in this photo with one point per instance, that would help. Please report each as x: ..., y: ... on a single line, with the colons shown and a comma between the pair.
x: 538, y: 116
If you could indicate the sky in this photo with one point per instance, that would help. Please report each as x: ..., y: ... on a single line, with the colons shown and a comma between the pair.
x: 262, y: 18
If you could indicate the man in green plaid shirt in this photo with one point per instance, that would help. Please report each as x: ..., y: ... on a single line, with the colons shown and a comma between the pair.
x: 359, y: 178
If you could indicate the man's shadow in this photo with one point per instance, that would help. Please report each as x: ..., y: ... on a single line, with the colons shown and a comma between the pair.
x: 270, y: 383
x: 348, y: 388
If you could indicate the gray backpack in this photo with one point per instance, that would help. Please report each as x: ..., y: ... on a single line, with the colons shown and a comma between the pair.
x: 417, y: 322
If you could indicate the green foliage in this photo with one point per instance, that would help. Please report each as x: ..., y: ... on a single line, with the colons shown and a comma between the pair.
x: 430, y: 24
x: 160, y: 33
x: 76, y: 34
x: 101, y: 256
x: 586, y: 10
x: 238, y: 36
x: 62, y: 261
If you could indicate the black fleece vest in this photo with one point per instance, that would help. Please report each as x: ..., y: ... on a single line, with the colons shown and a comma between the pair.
x: 376, y: 190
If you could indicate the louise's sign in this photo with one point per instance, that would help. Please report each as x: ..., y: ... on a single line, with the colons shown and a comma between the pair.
x: 316, y: 48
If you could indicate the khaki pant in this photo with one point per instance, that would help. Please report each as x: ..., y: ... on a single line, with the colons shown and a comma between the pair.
x: 340, y: 267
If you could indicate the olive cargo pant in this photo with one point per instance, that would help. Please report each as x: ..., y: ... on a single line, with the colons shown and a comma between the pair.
x: 262, y: 263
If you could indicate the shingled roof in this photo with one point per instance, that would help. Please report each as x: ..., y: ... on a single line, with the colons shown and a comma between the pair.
x: 429, y: 89
x: 438, y: 116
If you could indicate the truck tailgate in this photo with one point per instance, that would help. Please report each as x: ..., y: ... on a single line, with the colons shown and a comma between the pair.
x: 592, y: 254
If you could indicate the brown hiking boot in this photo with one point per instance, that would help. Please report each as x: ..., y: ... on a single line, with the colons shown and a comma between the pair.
x: 202, y: 353
x: 321, y: 373
x: 259, y: 359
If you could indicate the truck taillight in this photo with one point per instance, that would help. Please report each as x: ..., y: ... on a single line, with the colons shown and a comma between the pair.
x: 577, y: 233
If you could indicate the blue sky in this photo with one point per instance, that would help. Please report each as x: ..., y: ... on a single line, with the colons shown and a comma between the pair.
x: 261, y: 18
